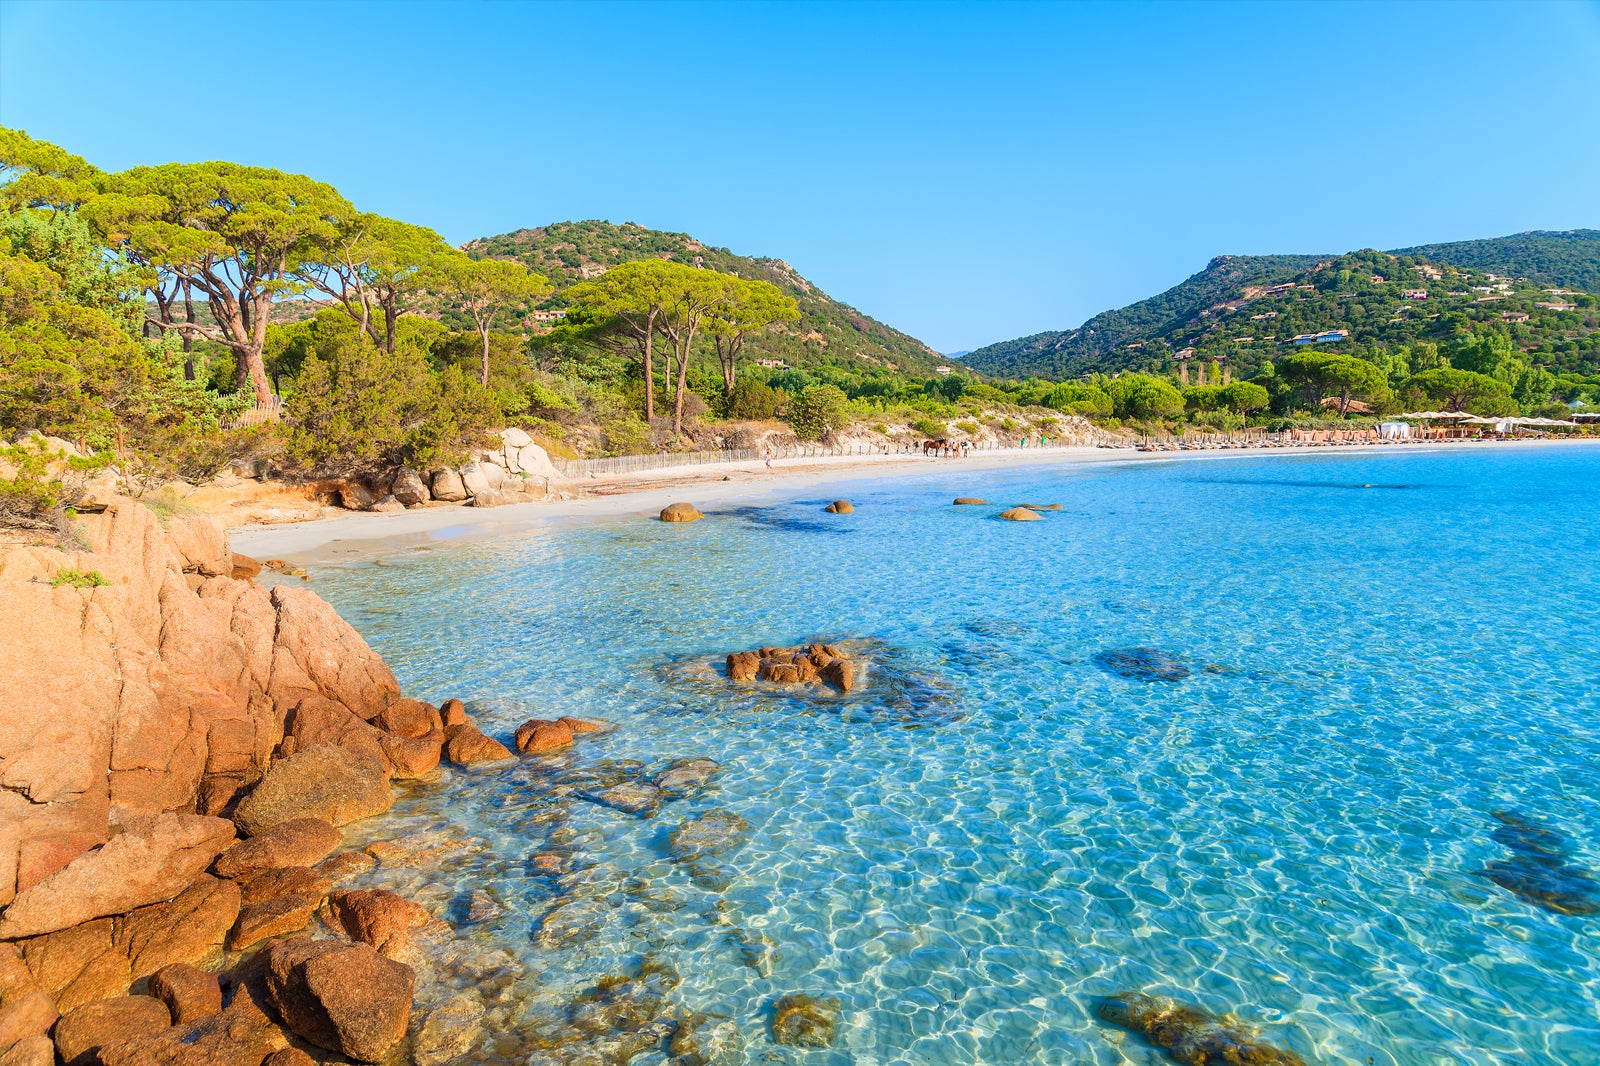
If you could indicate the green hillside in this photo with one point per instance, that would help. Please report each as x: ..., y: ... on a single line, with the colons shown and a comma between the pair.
x: 1100, y: 344
x: 829, y: 332
x: 1567, y: 259
x: 1249, y: 309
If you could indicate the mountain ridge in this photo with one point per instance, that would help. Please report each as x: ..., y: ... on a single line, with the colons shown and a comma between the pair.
x: 829, y: 330
x: 1118, y: 339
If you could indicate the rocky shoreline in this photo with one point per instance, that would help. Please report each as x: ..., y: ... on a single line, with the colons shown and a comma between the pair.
x: 171, y: 800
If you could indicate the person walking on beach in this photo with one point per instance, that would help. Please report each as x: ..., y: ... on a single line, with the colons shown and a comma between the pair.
x: 769, y: 458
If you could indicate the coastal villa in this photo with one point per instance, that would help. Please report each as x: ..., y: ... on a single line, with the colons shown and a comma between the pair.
x: 1327, y: 336
x: 1377, y: 279
x: 1557, y: 306
x: 548, y: 316
x: 1263, y: 316
x: 1514, y: 316
x: 1431, y: 273
x: 772, y: 364
x: 1414, y: 294
x: 941, y: 370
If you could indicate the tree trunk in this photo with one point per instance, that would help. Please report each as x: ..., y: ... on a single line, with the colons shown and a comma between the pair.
x: 683, y: 381
x: 484, y: 332
x: 649, y: 368
x: 188, y: 334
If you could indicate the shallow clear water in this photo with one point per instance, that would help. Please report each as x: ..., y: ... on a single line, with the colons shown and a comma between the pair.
x: 1381, y: 651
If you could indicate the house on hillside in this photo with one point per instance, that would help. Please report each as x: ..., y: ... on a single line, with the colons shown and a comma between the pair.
x: 941, y: 370
x: 772, y: 364
x: 548, y: 316
x: 1327, y: 336
x: 1377, y: 279
x: 1263, y: 316
x: 1557, y: 306
x: 1414, y: 294
x: 1513, y: 316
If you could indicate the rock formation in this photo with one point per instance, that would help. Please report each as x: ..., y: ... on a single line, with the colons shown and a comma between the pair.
x: 1020, y: 514
x: 807, y: 665
x: 680, y: 512
x: 165, y: 714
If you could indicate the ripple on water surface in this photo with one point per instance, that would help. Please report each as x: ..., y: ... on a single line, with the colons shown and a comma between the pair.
x: 1222, y: 733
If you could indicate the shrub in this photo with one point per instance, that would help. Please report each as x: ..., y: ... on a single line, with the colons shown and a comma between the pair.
x: 1077, y: 399
x: 753, y: 401
x: 879, y: 427
x: 970, y: 428
x: 356, y: 405
x: 817, y: 412
x: 79, y: 579
x: 930, y: 427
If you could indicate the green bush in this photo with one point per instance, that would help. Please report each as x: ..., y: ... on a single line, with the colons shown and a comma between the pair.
x: 753, y: 401
x: 969, y: 428
x: 930, y: 427
x: 79, y: 579
x: 818, y: 411
x: 356, y: 405
x: 1078, y: 399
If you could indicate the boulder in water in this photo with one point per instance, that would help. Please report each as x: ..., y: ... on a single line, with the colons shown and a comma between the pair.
x: 629, y: 797
x: 804, y: 1021
x: 840, y: 507
x: 685, y: 777
x: 680, y: 512
x: 1189, y: 1035
x: 713, y: 833
x: 1019, y: 514
x: 968, y: 501
x: 1142, y: 664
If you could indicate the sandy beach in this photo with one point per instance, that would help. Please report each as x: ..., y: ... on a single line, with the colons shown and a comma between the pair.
x: 715, y: 485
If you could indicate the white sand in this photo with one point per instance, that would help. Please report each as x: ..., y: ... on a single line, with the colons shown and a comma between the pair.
x: 717, y: 485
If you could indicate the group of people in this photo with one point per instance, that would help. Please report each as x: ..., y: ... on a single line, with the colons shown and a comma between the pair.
x: 945, y: 448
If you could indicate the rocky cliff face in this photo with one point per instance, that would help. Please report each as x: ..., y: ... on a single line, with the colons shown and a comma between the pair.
x: 166, y: 690
x: 160, y: 707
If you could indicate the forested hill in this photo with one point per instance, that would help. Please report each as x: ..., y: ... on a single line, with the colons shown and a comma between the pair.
x: 1249, y: 309
x: 1568, y: 259
x: 828, y: 331
x: 1094, y: 346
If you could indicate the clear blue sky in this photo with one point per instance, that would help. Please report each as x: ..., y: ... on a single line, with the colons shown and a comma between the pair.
x: 965, y: 172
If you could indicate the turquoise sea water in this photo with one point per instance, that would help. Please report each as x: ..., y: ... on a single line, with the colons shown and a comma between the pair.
x: 1382, y: 650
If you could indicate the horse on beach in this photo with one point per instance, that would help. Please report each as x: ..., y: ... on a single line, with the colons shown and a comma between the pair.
x: 933, y: 447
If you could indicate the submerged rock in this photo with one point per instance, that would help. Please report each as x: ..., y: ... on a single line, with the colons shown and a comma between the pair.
x: 714, y: 833
x: 840, y: 507
x: 629, y: 797
x: 702, y: 1040
x: 1190, y: 1036
x: 680, y: 512
x: 1538, y: 870
x: 966, y: 501
x: 804, y: 1021
x: 1142, y: 664
x: 1042, y: 506
x: 1019, y: 514
x: 685, y: 777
